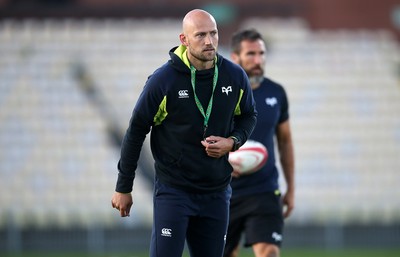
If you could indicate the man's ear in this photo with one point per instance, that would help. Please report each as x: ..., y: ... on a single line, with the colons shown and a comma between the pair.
x: 183, y: 39
x: 235, y: 57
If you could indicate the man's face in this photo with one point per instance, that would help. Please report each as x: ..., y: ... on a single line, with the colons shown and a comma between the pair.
x: 251, y: 57
x: 202, y: 41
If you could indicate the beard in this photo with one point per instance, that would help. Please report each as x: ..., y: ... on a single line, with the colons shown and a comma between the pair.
x: 204, y: 56
x: 255, y: 71
x: 256, y: 79
x: 255, y: 74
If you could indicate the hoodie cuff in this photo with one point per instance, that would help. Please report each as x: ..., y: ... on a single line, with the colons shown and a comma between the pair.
x: 124, y: 184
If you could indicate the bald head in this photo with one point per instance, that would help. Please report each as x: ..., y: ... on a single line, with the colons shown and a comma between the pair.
x: 196, y: 18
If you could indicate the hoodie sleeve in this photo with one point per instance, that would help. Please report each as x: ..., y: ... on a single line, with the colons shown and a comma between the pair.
x: 245, y: 117
x: 143, y: 117
x: 130, y: 152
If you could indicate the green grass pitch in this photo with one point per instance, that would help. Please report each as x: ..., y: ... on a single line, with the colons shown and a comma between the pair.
x: 243, y: 253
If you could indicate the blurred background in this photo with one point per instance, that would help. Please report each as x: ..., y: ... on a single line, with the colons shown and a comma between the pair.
x: 71, y: 71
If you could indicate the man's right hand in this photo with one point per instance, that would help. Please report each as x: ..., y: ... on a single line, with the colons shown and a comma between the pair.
x: 122, y: 202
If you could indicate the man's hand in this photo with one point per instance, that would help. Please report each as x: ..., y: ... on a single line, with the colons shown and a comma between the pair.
x: 217, y: 147
x: 288, y: 202
x: 122, y: 202
x: 235, y: 174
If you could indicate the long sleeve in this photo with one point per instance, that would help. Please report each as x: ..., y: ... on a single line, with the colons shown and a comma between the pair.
x: 130, y: 152
x: 246, y: 115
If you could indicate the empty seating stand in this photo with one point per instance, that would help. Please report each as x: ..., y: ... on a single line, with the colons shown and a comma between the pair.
x: 58, y: 164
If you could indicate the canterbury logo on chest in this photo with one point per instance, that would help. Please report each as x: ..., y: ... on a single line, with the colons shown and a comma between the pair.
x: 183, y: 93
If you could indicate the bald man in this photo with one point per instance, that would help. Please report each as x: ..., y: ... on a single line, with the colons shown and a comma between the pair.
x: 198, y: 106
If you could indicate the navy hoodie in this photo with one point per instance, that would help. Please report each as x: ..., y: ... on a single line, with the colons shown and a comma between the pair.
x: 167, y: 107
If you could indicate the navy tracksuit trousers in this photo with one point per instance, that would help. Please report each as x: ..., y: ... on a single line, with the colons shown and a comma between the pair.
x: 199, y: 218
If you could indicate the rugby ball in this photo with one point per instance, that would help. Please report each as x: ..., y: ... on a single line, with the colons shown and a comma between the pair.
x: 249, y: 158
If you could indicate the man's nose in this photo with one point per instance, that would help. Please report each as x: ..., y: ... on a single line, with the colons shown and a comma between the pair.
x: 208, y: 40
x: 258, y: 59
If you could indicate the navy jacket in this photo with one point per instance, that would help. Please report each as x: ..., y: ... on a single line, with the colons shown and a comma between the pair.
x: 167, y: 107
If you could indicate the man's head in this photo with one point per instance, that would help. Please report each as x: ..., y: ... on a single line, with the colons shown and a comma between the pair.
x: 200, y: 36
x: 248, y: 50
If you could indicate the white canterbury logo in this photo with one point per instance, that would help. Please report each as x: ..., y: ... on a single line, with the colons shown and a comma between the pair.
x: 166, y: 232
x: 183, y: 93
x: 226, y: 90
x: 276, y: 236
x: 271, y: 101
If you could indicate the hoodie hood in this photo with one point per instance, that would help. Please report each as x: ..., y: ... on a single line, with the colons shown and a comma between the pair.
x: 181, y: 51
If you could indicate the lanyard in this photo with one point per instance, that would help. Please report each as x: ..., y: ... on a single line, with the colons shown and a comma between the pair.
x: 206, y: 114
